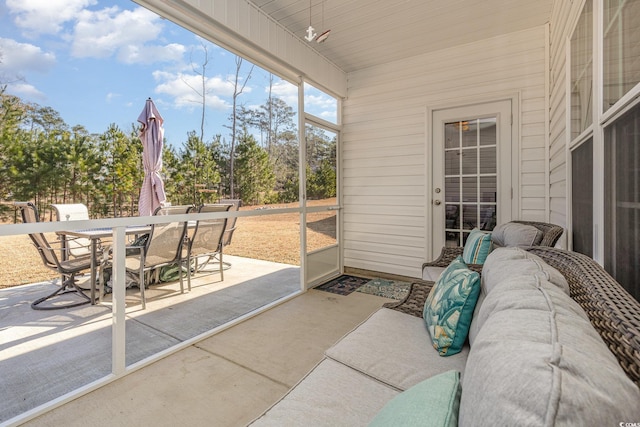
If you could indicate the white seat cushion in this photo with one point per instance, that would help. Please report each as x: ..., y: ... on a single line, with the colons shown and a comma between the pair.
x: 330, y: 395
x: 390, y: 345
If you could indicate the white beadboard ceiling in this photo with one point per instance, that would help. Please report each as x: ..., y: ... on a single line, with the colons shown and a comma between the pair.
x: 365, y: 33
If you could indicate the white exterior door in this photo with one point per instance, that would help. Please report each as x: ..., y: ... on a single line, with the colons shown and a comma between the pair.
x: 472, y: 171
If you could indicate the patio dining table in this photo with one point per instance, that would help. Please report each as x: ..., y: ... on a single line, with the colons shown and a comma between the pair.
x: 95, y: 235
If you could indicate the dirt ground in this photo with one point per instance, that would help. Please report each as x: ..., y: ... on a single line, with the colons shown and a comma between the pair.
x: 271, y: 238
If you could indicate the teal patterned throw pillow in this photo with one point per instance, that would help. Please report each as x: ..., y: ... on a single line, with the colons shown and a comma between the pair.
x: 477, y: 247
x: 449, y: 308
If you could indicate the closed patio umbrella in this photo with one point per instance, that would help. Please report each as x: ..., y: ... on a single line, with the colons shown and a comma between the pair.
x: 152, y: 193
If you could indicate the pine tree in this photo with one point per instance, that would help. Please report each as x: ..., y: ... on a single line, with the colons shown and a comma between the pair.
x: 123, y: 167
x: 253, y: 174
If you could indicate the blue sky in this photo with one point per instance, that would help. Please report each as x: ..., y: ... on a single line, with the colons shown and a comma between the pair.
x: 96, y: 62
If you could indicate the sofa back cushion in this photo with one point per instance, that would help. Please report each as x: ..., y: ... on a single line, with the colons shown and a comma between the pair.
x: 510, y: 264
x: 614, y: 313
x: 537, y: 359
x: 515, y: 234
x: 504, y: 263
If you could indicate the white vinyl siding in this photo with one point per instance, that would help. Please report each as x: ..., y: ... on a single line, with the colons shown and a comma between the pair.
x: 384, y: 142
x: 563, y: 18
x: 242, y: 28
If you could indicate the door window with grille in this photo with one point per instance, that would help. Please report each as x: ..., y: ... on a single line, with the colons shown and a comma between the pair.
x: 470, y: 177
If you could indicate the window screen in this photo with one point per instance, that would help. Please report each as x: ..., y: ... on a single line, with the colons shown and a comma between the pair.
x: 582, y: 197
x: 622, y: 200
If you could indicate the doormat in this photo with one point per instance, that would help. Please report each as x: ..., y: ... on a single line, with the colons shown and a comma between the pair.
x: 392, y: 289
x: 343, y: 285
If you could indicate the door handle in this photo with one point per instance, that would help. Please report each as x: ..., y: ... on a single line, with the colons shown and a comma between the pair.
x: 437, y: 202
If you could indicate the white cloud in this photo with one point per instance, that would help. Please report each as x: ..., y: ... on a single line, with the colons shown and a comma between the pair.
x: 45, y: 16
x: 320, y: 101
x: 112, y: 96
x: 315, y: 101
x: 285, y: 91
x: 19, y: 58
x: 126, y: 34
x: 25, y: 90
x: 320, y: 104
x: 185, y: 89
x: 131, y: 54
x: 330, y: 116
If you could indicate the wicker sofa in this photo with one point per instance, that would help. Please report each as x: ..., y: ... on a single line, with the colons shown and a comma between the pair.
x: 554, y: 340
x: 548, y: 235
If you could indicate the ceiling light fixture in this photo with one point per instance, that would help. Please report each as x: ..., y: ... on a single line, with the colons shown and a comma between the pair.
x: 461, y: 125
x: 311, y: 34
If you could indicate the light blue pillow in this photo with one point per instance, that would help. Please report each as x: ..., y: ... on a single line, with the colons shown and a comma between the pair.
x: 477, y: 247
x: 449, y: 307
x: 433, y: 402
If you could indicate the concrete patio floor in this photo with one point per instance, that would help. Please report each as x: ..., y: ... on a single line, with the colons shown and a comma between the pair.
x: 228, y: 379
x: 224, y: 380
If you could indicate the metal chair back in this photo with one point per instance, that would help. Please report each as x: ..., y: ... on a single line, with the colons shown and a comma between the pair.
x: 73, y: 212
x: 164, y: 245
x: 208, y: 235
x: 29, y: 214
x: 231, y: 223
x: 207, y: 240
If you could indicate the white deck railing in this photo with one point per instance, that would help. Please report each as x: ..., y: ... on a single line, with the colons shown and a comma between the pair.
x: 119, y: 367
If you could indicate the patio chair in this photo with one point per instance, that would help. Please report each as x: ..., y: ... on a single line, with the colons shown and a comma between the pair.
x: 231, y: 226
x: 550, y: 235
x: 231, y: 223
x: 72, y: 212
x: 67, y: 268
x: 207, y: 241
x: 163, y: 247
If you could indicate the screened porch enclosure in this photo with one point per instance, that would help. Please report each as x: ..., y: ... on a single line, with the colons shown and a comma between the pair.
x: 571, y: 69
x: 49, y: 355
x: 69, y: 351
